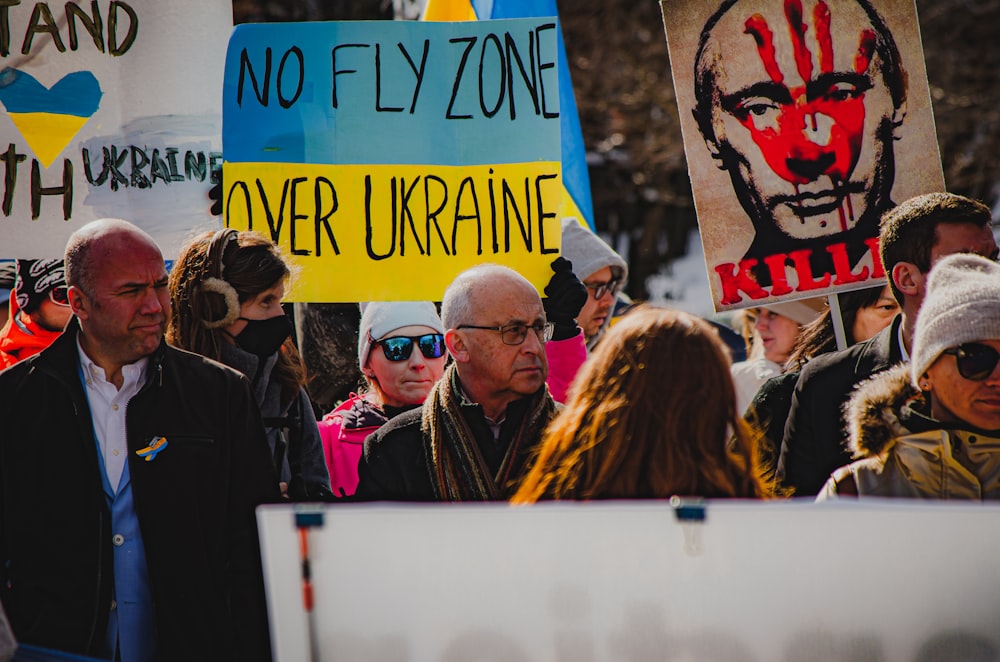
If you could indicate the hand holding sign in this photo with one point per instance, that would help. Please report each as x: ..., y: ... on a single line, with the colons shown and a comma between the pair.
x: 565, y: 296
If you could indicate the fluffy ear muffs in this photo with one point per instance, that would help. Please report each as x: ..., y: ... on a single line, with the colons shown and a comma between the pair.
x: 232, y: 299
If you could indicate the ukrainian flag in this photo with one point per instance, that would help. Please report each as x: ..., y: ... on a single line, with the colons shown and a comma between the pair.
x: 576, y: 181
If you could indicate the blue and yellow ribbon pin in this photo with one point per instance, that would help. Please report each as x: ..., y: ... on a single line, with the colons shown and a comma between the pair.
x: 154, y: 447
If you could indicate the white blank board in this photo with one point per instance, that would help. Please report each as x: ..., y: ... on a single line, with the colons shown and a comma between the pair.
x: 876, y: 580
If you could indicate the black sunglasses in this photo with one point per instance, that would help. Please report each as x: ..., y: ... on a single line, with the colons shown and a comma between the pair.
x: 59, y: 295
x: 598, y: 290
x: 399, y: 348
x: 974, y: 361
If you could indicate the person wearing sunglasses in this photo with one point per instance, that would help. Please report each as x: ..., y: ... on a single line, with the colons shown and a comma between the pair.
x: 39, y: 310
x: 932, y: 429
x: 913, y: 237
x: 473, y: 435
x: 226, y: 290
x: 602, y: 271
x: 402, y: 354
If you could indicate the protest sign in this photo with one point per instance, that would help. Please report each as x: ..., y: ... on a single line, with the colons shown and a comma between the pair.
x: 576, y: 200
x: 862, y: 580
x: 109, y: 109
x: 387, y: 157
x: 803, y: 121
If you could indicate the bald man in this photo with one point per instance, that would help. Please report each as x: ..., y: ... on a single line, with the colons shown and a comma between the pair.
x: 470, y: 439
x: 130, y: 472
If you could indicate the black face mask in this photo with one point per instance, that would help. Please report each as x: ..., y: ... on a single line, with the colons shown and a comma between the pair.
x: 264, y: 337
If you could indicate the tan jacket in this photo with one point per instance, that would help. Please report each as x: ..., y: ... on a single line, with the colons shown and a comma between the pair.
x: 903, y: 453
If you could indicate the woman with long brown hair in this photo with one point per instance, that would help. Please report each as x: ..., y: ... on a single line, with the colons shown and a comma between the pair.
x: 225, y: 294
x: 652, y: 414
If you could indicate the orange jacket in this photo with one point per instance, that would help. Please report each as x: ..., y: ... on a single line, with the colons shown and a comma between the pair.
x: 21, y: 337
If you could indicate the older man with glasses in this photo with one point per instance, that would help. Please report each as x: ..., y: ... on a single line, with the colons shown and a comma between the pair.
x: 932, y: 429
x: 39, y: 310
x: 471, y: 438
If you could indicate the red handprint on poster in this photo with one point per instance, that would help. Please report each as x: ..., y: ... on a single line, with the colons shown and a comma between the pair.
x: 801, y: 104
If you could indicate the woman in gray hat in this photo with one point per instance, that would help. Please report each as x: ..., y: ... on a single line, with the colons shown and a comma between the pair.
x: 931, y: 429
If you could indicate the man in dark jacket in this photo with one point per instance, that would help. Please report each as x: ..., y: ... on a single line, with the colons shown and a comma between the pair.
x: 471, y: 438
x: 129, y: 471
x: 913, y: 237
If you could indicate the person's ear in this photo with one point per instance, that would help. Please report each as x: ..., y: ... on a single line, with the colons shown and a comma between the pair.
x: 457, y: 346
x: 908, y: 278
x: 924, y: 382
x: 78, y: 302
x: 898, y: 115
x: 711, y: 139
x: 714, y: 150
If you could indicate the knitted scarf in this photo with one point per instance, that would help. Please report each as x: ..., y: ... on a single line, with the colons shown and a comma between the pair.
x: 458, y: 471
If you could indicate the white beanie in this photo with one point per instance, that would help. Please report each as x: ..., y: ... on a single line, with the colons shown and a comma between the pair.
x: 802, y: 311
x: 379, y: 318
x: 589, y: 253
x: 962, y: 304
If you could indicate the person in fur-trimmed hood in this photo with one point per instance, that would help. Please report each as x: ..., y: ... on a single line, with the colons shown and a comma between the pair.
x: 932, y: 429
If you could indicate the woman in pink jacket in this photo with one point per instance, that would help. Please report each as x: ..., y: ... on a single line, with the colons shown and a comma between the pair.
x: 401, y: 353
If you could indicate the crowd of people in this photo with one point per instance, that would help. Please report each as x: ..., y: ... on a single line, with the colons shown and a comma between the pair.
x: 160, y: 410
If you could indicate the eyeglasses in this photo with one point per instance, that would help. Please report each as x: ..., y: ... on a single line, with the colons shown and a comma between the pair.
x: 974, y: 361
x: 514, y: 334
x: 399, y: 348
x: 598, y: 290
x: 59, y: 295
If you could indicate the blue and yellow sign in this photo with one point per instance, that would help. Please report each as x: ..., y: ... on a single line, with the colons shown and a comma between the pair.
x: 386, y: 157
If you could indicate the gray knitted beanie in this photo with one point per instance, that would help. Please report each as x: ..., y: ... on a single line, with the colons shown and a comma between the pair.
x: 962, y: 304
x: 589, y: 253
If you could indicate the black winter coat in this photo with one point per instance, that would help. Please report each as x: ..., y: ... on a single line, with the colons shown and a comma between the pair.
x: 395, y: 466
x: 195, y: 503
x: 815, y: 437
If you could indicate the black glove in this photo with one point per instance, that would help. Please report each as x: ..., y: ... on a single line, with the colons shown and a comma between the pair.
x: 564, y: 298
x: 215, y: 193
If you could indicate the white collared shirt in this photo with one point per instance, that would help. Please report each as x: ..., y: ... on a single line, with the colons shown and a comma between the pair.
x: 107, y: 409
x: 902, y: 346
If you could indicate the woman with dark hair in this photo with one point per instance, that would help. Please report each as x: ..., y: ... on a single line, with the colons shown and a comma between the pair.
x: 652, y: 414
x: 864, y: 313
x: 225, y: 294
